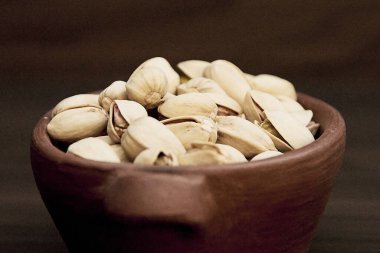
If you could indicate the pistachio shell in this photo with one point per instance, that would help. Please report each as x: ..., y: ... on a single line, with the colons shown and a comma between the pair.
x: 201, y: 85
x: 171, y: 76
x: 226, y: 105
x: 116, y: 91
x: 256, y: 102
x: 211, y: 153
x: 75, y: 124
x: 290, y: 104
x: 313, y: 127
x: 154, y: 156
x: 304, y: 116
x: 277, y: 139
x: 76, y: 101
x: 147, y: 132
x: 292, y: 131
x: 266, y: 154
x: 274, y: 85
x: 93, y: 149
x: 119, y: 151
x: 243, y: 135
x: 188, y: 104
x: 122, y: 113
x: 193, y: 68
x: 250, y: 79
x: 230, y: 78
x: 189, y: 129
x: 147, y: 86
x: 106, y: 139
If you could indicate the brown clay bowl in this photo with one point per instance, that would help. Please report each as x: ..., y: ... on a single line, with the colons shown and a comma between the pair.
x: 271, y: 205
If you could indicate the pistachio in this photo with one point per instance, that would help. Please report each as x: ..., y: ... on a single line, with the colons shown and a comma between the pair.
x: 275, y: 136
x: 106, y: 139
x: 147, y: 132
x: 201, y: 85
x: 122, y: 113
x: 250, y: 79
x: 266, y: 154
x: 189, y: 129
x: 76, y: 101
x: 256, y: 102
x: 303, y: 116
x: 171, y: 76
x: 75, y: 124
x: 154, y: 156
x: 188, y: 104
x: 290, y: 104
x: 274, y: 85
x: 193, y: 68
x: 226, y: 105
x: 116, y: 91
x: 117, y: 148
x: 147, y: 86
x: 313, y: 127
x: 243, y: 135
x: 230, y: 78
x: 211, y: 153
x: 292, y: 131
x: 93, y: 149
x: 119, y: 151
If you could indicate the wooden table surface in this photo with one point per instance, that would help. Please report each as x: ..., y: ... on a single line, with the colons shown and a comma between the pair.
x: 51, y: 50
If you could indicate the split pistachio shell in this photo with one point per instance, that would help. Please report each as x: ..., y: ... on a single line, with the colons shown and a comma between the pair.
x: 304, y: 116
x: 171, y: 76
x: 147, y: 132
x: 266, y: 154
x: 193, y: 68
x: 256, y: 102
x: 75, y: 124
x: 277, y: 139
x: 76, y: 101
x: 230, y: 78
x: 226, y: 105
x: 290, y: 104
x: 147, y: 86
x: 122, y: 113
x: 243, y: 135
x: 211, y: 153
x: 93, y: 149
x: 274, y: 85
x: 189, y: 129
x: 201, y: 85
x: 116, y: 91
x: 154, y: 156
x: 313, y: 127
x: 188, y: 104
x: 292, y: 131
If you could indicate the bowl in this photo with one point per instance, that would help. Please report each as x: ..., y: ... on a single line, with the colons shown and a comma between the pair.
x: 271, y: 205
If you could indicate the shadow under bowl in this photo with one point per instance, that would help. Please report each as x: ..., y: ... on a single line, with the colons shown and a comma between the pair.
x: 271, y: 205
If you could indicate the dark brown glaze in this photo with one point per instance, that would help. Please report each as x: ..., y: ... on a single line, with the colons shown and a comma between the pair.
x: 265, y: 206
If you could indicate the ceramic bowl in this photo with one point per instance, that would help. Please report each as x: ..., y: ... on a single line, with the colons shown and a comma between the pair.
x: 271, y: 205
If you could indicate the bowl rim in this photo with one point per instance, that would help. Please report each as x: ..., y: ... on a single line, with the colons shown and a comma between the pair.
x: 333, y: 132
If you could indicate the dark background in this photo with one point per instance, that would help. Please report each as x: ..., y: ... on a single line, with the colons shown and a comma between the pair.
x: 329, y: 49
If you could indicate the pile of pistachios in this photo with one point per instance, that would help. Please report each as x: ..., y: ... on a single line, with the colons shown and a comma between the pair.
x: 213, y: 113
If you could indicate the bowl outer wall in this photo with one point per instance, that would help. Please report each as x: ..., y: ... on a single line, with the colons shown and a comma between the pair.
x: 271, y: 205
